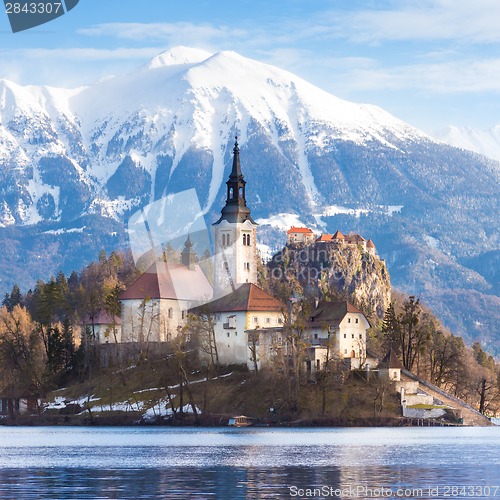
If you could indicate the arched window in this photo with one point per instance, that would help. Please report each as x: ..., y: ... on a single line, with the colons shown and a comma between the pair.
x: 241, y: 192
x: 244, y: 239
x: 230, y: 193
x: 248, y: 239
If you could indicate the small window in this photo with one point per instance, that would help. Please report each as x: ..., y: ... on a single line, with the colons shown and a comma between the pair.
x: 345, y: 335
x: 360, y: 335
x: 268, y: 320
x: 357, y: 320
x: 315, y: 335
x: 235, y: 334
x: 280, y: 321
x: 218, y: 316
x: 348, y: 320
x: 248, y: 240
x: 170, y: 313
x: 226, y: 266
x: 345, y: 351
x: 255, y: 319
x: 183, y: 314
x: 318, y: 364
x: 353, y: 335
x: 228, y: 334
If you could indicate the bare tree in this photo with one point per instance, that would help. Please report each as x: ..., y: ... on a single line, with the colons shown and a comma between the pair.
x: 253, y: 346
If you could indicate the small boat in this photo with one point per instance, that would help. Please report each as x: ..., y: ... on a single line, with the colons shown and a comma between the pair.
x: 240, y: 421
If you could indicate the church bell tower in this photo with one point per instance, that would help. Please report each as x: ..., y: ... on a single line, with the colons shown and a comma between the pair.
x: 235, y: 236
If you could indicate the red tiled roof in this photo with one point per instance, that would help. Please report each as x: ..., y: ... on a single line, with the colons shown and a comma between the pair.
x: 338, y: 235
x: 247, y: 297
x: 169, y: 281
x: 325, y: 237
x: 299, y: 230
x: 370, y: 244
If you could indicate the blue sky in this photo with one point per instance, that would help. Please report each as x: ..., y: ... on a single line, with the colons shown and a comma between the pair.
x: 429, y: 62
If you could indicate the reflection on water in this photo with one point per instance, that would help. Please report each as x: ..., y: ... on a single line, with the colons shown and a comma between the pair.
x: 123, y: 463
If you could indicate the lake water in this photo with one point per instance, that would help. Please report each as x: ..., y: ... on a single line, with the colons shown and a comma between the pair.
x: 227, y: 463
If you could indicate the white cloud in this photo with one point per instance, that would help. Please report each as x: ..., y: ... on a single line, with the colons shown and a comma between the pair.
x: 83, y: 54
x: 472, y: 21
x: 171, y: 33
x: 464, y: 76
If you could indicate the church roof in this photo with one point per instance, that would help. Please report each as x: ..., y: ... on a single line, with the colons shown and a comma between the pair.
x: 390, y: 361
x: 332, y: 312
x: 102, y: 318
x: 304, y: 230
x: 247, y: 297
x: 169, y: 281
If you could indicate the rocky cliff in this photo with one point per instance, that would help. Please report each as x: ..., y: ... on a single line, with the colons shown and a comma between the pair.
x: 330, y: 270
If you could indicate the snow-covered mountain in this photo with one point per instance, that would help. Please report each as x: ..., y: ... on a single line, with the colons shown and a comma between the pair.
x: 485, y: 142
x: 146, y: 123
x: 73, y: 162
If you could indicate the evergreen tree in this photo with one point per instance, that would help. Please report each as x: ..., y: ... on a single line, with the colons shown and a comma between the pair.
x: 15, y: 298
x: 391, y: 329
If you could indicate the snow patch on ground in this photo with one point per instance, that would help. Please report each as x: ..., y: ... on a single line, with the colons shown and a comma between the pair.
x: 281, y: 221
x: 61, y: 402
x: 265, y: 251
x: 150, y: 390
x: 66, y: 231
x: 432, y: 242
x: 161, y: 410
x: 333, y: 210
x: 337, y: 210
x: 124, y: 406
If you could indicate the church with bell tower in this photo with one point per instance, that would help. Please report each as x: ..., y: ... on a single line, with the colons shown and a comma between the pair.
x: 234, y: 236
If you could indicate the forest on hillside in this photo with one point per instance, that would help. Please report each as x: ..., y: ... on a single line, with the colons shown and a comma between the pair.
x: 43, y: 345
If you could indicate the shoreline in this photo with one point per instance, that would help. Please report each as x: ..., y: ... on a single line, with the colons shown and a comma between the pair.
x: 211, y: 421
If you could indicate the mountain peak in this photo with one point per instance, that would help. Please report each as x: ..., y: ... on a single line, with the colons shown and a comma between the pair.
x: 178, y: 55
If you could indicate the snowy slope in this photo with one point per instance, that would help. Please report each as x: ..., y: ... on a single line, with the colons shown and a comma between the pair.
x: 183, y: 99
x: 485, y: 142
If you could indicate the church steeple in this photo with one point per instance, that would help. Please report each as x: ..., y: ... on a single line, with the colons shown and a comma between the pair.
x: 235, y: 235
x: 188, y: 257
x: 236, y: 209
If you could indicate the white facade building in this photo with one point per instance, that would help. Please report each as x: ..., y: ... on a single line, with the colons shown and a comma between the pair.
x: 235, y: 236
x: 235, y: 315
x: 155, y: 306
x: 344, y: 326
